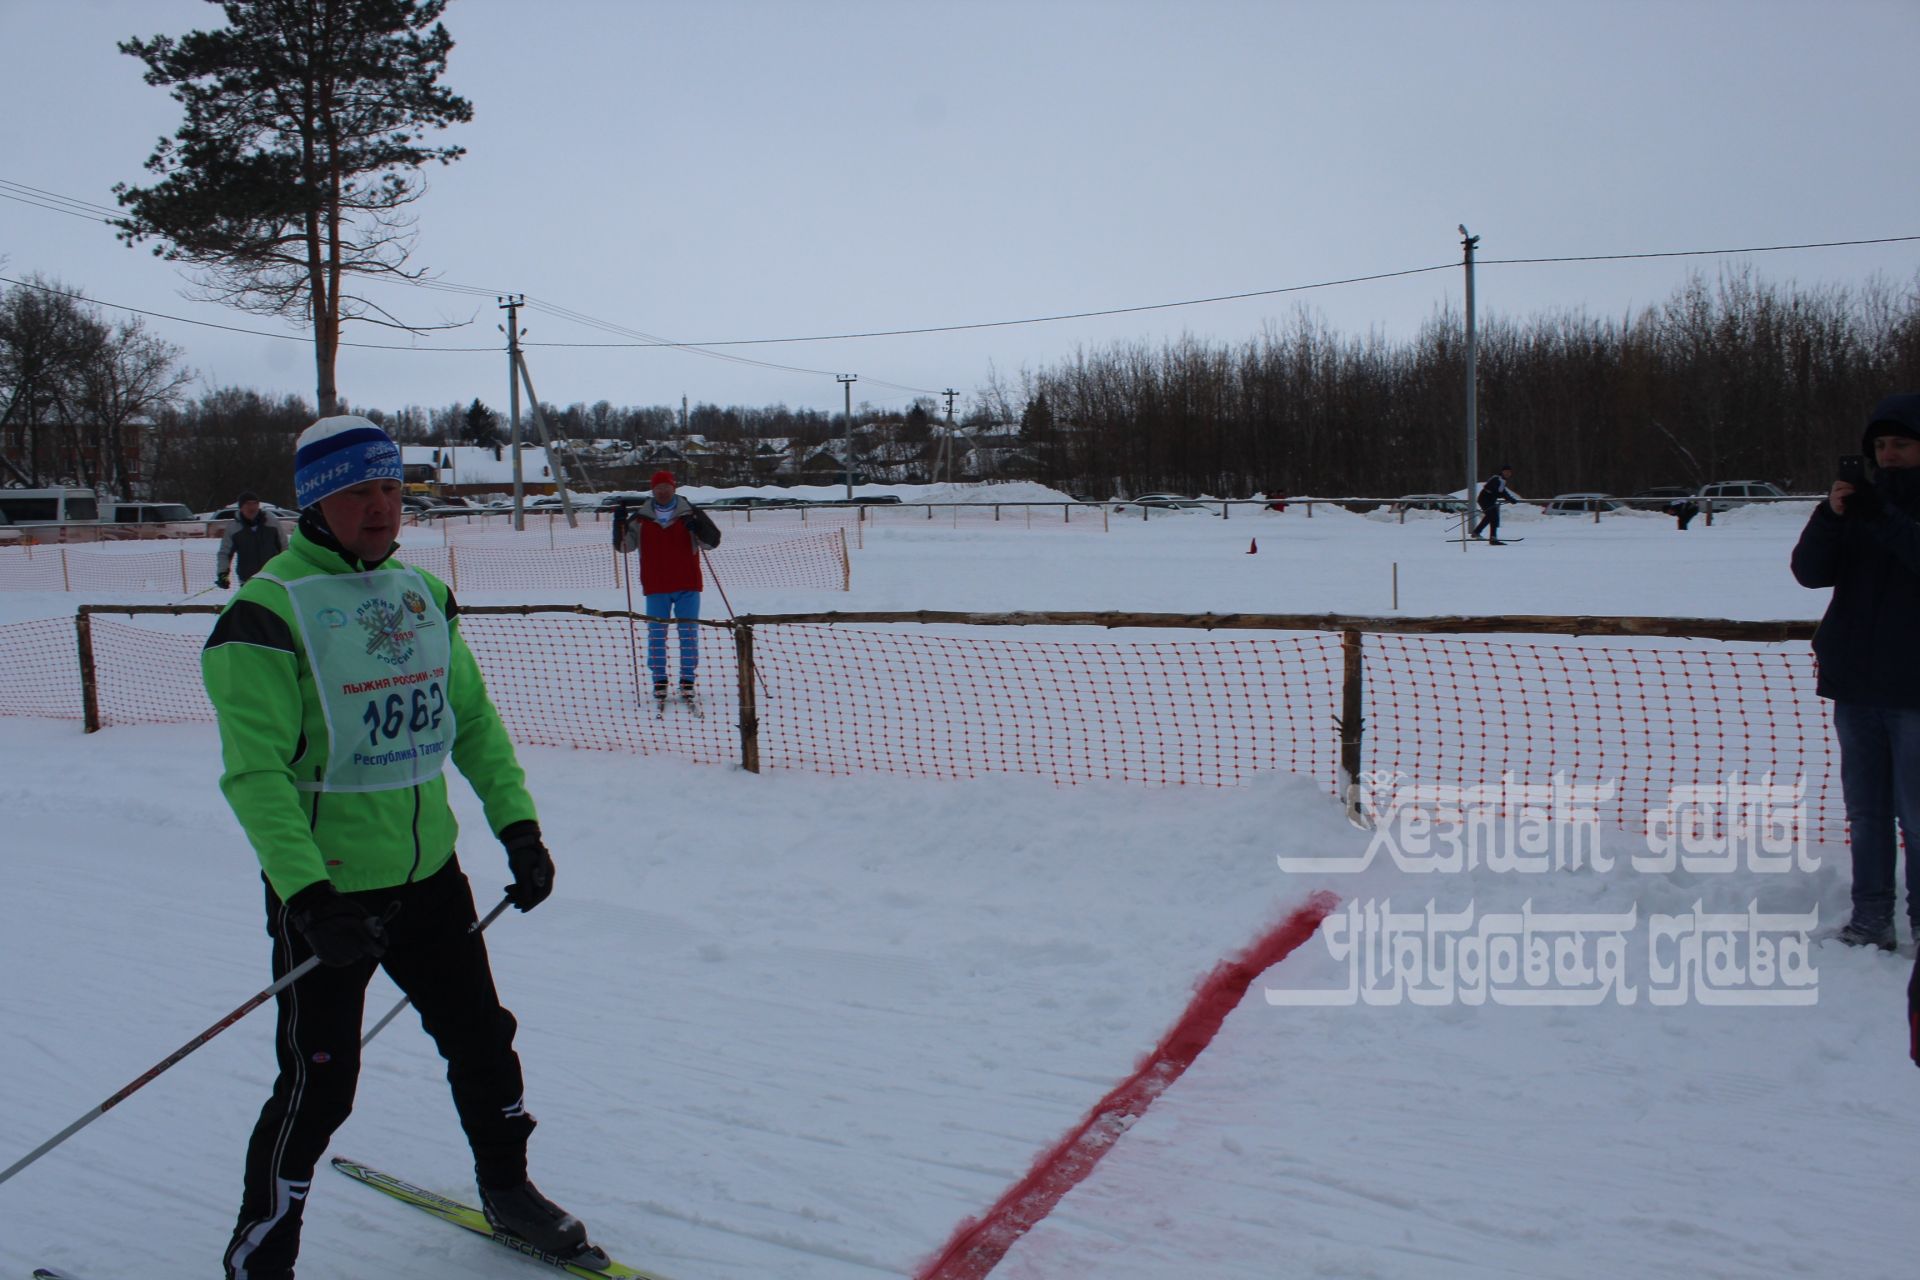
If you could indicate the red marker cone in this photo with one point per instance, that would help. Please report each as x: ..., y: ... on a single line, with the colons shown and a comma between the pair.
x: 1253, y: 546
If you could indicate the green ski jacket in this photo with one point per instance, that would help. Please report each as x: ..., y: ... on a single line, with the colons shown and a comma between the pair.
x: 276, y: 750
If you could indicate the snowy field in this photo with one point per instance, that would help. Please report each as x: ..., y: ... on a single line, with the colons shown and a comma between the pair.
x: 797, y: 1027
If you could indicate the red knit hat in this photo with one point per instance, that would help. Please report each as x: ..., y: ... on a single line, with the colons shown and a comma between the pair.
x: 662, y: 477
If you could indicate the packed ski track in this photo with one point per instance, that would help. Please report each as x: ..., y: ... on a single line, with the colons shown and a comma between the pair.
x: 790, y: 1026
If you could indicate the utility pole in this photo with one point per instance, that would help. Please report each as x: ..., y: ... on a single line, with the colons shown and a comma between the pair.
x: 511, y: 304
x: 943, y: 466
x: 847, y: 380
x: 1468, y: 243
x: 554, y: 462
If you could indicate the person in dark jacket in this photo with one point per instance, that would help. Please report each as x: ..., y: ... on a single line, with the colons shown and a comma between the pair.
x: 669, y: 533
x: 1494, y: 492
x: 248, y: 543
x: 1864, y: 542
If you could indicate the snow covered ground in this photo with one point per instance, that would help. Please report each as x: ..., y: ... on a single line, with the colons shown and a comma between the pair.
x: 799, y: 1026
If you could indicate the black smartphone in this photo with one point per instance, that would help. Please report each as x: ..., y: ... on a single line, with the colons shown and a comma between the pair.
x: 1853, y: 468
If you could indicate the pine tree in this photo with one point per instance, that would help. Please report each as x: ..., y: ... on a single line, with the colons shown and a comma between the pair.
x: 300, y: 152
x: 481, y: 425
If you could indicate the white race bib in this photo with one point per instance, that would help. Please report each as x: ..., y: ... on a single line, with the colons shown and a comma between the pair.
x: 379, y: 647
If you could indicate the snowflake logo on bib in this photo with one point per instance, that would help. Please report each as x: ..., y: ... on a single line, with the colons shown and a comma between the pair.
x: 388, y: 636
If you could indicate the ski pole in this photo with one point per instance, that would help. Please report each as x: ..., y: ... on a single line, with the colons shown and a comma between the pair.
x: 394, y: 1012
x: 185, y: 1049
x: 626, y: 575
x: 721, y: 587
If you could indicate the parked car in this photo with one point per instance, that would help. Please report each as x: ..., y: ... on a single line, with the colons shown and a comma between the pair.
x: 218, y: 520
x: 1661, y: 497
x: 1430, y: 502
x: 747, y: 500
x: 1727, y: 494
x: 1568, y: 504
x: 1169, y: 502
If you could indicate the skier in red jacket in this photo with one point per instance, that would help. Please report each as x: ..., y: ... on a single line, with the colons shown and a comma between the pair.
x: 669, y: 533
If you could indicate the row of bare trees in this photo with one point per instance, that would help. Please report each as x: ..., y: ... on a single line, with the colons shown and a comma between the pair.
x: 76, y: 388
x: 1733, y: 378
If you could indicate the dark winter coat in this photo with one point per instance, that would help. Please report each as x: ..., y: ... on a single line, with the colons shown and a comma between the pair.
x: 1494, y: 492
x: 1871, y: 559
x: 248, y: 544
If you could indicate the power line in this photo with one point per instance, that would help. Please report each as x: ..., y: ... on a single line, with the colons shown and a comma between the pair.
x: 1695, y: 253
x: 1069, y: 315
x: 229, y: 328
x: 62, y: 204
x: 642, y: 340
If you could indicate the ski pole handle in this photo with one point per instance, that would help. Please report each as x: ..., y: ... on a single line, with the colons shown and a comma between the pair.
x: 262, y: 997
x: 476, y: 927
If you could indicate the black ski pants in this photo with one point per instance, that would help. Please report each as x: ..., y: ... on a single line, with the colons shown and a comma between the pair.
x: 436, y: 959
x: 1489, y: 519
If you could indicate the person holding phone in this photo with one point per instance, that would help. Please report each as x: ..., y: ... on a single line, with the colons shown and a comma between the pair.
x: 1863, y: 541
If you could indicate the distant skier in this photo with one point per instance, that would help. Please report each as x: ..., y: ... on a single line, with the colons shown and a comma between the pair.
x: 252, y: 539
x: 343, y: 688
x: 1494, y: 492
x: 669, y: 533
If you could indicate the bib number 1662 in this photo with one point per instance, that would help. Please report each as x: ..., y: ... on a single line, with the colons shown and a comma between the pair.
x: 415, y: 711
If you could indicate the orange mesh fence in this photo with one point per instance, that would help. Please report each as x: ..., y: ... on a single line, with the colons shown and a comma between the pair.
x: 179, y: 567
x: 584, y: 559
x: 144, y: 674
x: 570, y: 680
x: 855, y: 700
x: 41, y: 674
x: 1642, y: 716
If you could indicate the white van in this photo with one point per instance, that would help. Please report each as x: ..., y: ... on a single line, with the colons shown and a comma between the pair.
x: 147, y: 513
x: 49, y: 506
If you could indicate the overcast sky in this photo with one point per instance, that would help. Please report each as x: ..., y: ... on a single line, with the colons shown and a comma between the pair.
x: 728, y: 170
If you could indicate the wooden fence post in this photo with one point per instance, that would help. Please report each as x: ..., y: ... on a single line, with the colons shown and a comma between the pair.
x: 184, y: 588
x: 1352, y: 721
x: 453, y: 568
x: 749, y: 711
x: 66, y: 580
x: 89, y: 693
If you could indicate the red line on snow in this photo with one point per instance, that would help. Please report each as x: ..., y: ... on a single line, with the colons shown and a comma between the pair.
x: 978, y: 1244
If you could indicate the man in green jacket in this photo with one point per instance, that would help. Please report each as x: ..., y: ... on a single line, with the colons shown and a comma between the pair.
x: 343, y: 688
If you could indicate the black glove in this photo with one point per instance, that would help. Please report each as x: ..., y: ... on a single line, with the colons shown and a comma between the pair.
x: 532, y: 866
x: 340, y: 931
x: 1863, y: 503
x: 223, y: 581
x: 619, y: 527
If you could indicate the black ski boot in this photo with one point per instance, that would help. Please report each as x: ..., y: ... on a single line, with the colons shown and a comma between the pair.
x: 1857, y: 934
x: 522, y: 1212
